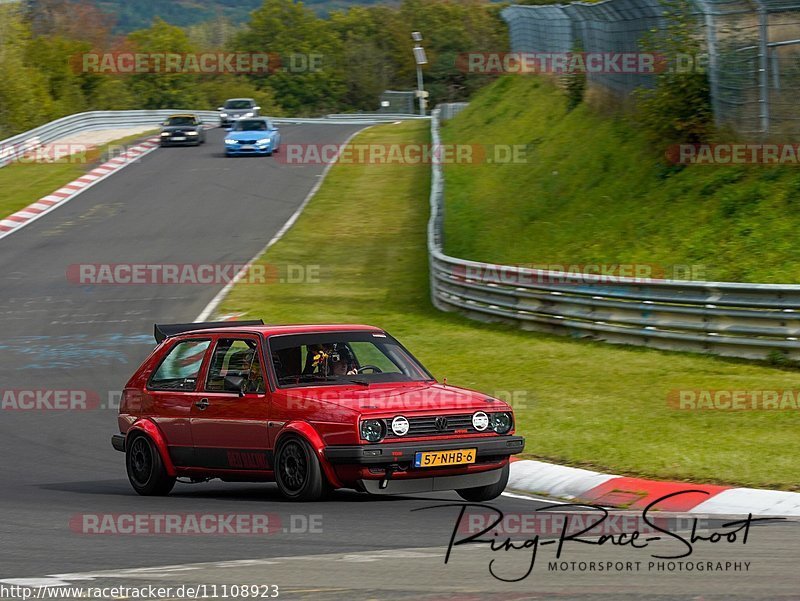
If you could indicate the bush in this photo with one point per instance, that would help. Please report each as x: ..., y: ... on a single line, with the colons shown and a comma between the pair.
x: 678, y: 108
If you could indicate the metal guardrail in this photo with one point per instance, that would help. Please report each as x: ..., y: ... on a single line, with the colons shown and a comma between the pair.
x: 376, y: 116
x: 753, y: 321
x: 17, y: 146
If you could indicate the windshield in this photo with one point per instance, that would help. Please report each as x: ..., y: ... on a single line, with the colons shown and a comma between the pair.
x: 180, y: 121
x: 238, y: 104
x: 250, y: 125
x: 341, y: 358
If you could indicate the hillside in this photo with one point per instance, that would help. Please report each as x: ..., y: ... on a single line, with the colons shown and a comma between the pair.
x: 595, y: 190
x: 140, y: 14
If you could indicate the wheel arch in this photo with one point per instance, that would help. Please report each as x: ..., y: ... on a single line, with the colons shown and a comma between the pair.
x: 306, y: 431
x: 148, y: 428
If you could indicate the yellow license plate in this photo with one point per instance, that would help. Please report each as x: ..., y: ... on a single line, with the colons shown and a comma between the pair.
x: 437, y: 458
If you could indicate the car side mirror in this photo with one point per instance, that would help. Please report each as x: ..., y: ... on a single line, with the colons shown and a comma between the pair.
x: 236, y: 384
x: 220, y: 108
x: 258, y: 108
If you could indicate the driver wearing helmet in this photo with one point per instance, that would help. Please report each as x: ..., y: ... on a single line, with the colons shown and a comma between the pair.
x: 334, y: 360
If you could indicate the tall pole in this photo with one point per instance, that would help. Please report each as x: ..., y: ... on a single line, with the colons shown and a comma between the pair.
x: 763, y: 65
x: 420, y: 91
x: 421, y: 59
x: 713, y: 60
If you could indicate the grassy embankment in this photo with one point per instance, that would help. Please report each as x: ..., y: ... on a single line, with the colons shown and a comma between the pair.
x: 594, y: 190
x: 585, y: 404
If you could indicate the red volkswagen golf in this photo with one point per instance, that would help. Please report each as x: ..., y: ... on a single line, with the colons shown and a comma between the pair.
x: 311, y: 407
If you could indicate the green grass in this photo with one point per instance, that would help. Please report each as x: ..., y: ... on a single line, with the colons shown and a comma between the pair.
x: 584, y: 404
x: 24, y: 183
x: 595, y: 190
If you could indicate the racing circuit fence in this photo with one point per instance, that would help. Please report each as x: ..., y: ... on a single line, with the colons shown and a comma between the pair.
x: 17, y: 146
x: 754, y: 321
x: 750, y: 50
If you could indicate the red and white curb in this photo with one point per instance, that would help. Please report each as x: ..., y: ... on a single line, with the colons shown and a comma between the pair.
x: 585, y: 486
x: 63, y: 195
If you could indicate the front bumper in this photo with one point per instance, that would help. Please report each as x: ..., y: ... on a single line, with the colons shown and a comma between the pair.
x: 118, y: 442
x: 188, y: 141
x: 239, y: 151
x: 488, y: 449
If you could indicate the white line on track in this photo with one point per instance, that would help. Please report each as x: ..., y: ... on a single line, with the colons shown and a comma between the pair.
x: 215, y: 302
x: 514, y: 495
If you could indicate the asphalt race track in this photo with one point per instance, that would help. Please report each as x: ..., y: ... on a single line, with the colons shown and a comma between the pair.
x: 191, y: 205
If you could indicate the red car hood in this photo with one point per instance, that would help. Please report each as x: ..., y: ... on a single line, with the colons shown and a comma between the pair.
x: 405, y: 398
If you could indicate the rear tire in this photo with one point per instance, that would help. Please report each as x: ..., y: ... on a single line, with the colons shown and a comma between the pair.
x: 146, y: 471
x: 488, y: 492
x: 297, y: 470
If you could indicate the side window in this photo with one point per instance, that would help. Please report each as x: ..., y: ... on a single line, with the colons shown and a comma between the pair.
x: 235, y: 362
x: 181, y: 366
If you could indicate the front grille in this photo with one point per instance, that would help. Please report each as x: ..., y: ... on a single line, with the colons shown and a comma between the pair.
x: 426, y: 426
x: 247, y: 141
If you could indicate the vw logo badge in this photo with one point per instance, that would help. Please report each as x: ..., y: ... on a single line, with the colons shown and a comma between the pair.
x: 441, y: 424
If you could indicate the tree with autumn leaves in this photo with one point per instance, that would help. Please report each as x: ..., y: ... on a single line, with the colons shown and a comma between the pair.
x: 334, y: 64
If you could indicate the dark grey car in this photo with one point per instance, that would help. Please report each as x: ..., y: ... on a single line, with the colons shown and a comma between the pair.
x: 237, y: 108
x: 180, y: 130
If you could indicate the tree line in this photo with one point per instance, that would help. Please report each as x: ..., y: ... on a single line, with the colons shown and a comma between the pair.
x: 342, y: 62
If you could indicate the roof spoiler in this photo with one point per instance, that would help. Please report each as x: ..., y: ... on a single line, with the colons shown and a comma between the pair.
x: 162, y: 331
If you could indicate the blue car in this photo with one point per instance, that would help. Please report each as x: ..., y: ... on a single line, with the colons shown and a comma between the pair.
x: 257, y: 135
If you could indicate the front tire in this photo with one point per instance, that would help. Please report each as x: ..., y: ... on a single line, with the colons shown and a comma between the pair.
x: 146, y: 471
x: 297, y: 470
x: 488, y: 492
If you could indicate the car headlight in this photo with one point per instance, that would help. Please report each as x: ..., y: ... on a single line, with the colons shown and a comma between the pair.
x: 372, y: 430
x: 192, y: 133
x: 250, y: 115
x: 501, y: 422
x: 223, y: 114
x: 264, y: 141
x: 164, y: 133
x: 230, y: 141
